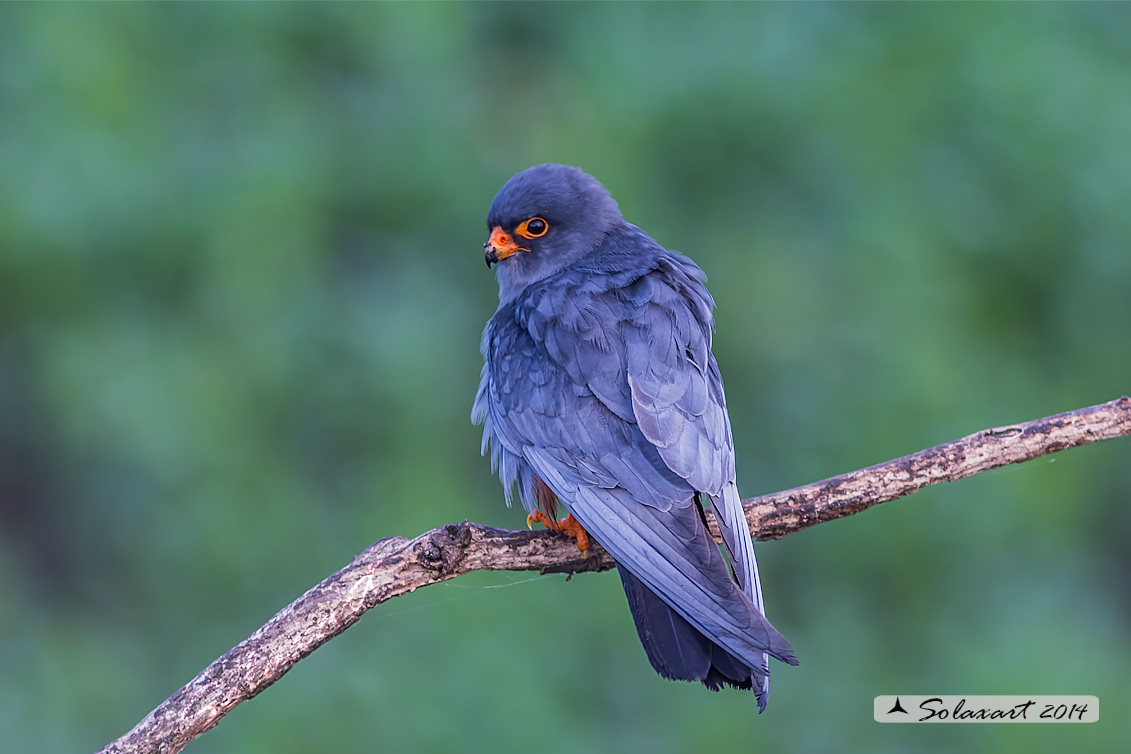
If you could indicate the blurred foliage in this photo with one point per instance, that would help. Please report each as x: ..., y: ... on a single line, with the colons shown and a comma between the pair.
x: 241, y: 291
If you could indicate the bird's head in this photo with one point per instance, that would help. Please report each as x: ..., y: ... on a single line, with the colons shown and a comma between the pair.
x: 544, y: 219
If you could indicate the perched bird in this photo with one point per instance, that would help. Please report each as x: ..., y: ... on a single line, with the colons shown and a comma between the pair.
x: 600, y: 391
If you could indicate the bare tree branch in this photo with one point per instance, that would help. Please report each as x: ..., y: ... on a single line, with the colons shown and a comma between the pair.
x: 395, y: 565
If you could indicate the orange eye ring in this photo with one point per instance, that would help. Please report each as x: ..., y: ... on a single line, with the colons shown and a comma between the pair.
x: 535, y: 227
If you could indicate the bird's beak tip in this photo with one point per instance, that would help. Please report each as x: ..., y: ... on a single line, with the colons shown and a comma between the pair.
x: 500, y: 246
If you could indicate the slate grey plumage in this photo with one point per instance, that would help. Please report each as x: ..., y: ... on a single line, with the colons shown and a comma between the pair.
x: 599, y: 381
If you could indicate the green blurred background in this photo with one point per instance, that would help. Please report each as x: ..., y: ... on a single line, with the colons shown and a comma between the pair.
x: 241, y: 292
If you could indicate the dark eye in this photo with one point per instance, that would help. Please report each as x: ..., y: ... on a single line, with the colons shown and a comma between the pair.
x: 533, y: 228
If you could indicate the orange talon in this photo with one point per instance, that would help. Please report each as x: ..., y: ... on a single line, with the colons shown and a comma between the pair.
x: 569, y: 525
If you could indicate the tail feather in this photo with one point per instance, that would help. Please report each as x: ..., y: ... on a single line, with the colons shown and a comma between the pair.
x: 679, y: 651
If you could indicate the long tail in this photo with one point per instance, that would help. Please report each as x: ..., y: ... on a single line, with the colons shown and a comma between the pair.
x: 670, y: 551
x: 678, y: 650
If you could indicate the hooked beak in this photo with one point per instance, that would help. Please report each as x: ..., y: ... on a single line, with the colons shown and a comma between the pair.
x: 500, y: 246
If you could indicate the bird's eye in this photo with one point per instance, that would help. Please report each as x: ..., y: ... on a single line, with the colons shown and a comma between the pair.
x: 533, y: 228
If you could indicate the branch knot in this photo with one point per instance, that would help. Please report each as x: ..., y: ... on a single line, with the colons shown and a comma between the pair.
x: 444, y: 548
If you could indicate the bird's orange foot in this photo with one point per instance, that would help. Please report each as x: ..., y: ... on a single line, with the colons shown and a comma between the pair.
x: 569, y: 525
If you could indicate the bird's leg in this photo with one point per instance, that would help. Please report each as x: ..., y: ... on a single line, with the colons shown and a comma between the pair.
x: 569, y: 525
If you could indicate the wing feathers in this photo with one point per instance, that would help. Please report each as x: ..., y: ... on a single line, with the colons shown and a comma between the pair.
x: 688, y: 573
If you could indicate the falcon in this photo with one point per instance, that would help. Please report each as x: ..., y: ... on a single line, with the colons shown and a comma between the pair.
x: 599, y: 391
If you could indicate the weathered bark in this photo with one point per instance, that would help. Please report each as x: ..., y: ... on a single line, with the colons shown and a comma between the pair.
x: 395, y: 565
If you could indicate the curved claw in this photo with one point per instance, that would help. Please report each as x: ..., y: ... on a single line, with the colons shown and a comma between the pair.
x: 568, y: 525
